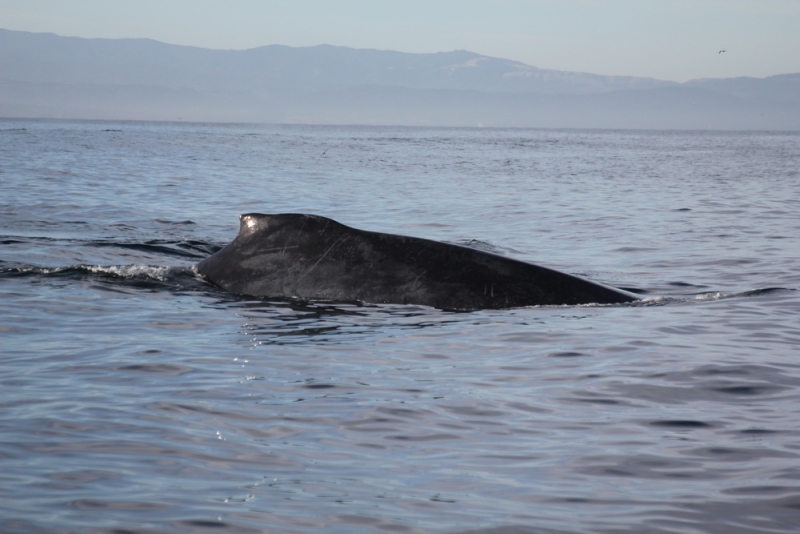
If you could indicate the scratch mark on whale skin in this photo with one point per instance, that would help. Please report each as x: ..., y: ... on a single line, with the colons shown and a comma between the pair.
x: 308, y: 271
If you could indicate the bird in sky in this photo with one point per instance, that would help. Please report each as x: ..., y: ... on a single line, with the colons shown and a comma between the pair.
x: 721, y: 51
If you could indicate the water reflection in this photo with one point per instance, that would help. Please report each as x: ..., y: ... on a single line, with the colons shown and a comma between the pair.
x: 289, y: 321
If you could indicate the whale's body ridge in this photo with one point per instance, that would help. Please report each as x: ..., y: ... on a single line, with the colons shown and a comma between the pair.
x: 312, y: 257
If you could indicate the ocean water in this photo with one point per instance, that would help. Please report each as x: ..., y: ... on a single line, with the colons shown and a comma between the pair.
x: 135, y: 397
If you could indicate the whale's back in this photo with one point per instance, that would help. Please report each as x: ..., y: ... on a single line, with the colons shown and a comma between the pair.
x: 313, y: 257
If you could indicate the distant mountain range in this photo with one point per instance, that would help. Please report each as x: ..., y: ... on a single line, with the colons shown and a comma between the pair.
x: 45, y: 75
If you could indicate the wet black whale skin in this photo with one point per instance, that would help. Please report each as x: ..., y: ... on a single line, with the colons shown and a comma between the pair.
x: 312, y: 257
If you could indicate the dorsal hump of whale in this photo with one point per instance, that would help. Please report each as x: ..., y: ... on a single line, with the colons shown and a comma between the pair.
x: 312, y: 257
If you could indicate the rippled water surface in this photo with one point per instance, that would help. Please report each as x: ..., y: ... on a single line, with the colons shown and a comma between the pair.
x: 135, y: 397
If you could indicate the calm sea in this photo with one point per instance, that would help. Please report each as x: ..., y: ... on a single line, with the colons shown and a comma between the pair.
x: 134, y: 397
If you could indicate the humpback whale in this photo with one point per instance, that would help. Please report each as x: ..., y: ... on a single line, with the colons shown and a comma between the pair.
x: 315, y: 258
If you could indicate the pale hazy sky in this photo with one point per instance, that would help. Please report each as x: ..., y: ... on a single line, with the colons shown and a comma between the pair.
x: 668, y: 39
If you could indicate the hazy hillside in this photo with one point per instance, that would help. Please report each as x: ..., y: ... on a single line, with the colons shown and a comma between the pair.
x: 44, y: 75
x: 780, y: 88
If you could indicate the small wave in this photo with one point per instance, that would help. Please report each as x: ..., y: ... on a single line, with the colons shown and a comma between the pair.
x: 175, y: 223
x: 183, y: 249
x: 652, y: 301
x: 149, y: 272
x: 127, y: 272
x: 719, y: 295
x: 713, y: 296
x: 764, y: 291
x: 660, y: 300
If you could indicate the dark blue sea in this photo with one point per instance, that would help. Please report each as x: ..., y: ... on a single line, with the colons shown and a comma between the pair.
x: 137, y: 398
